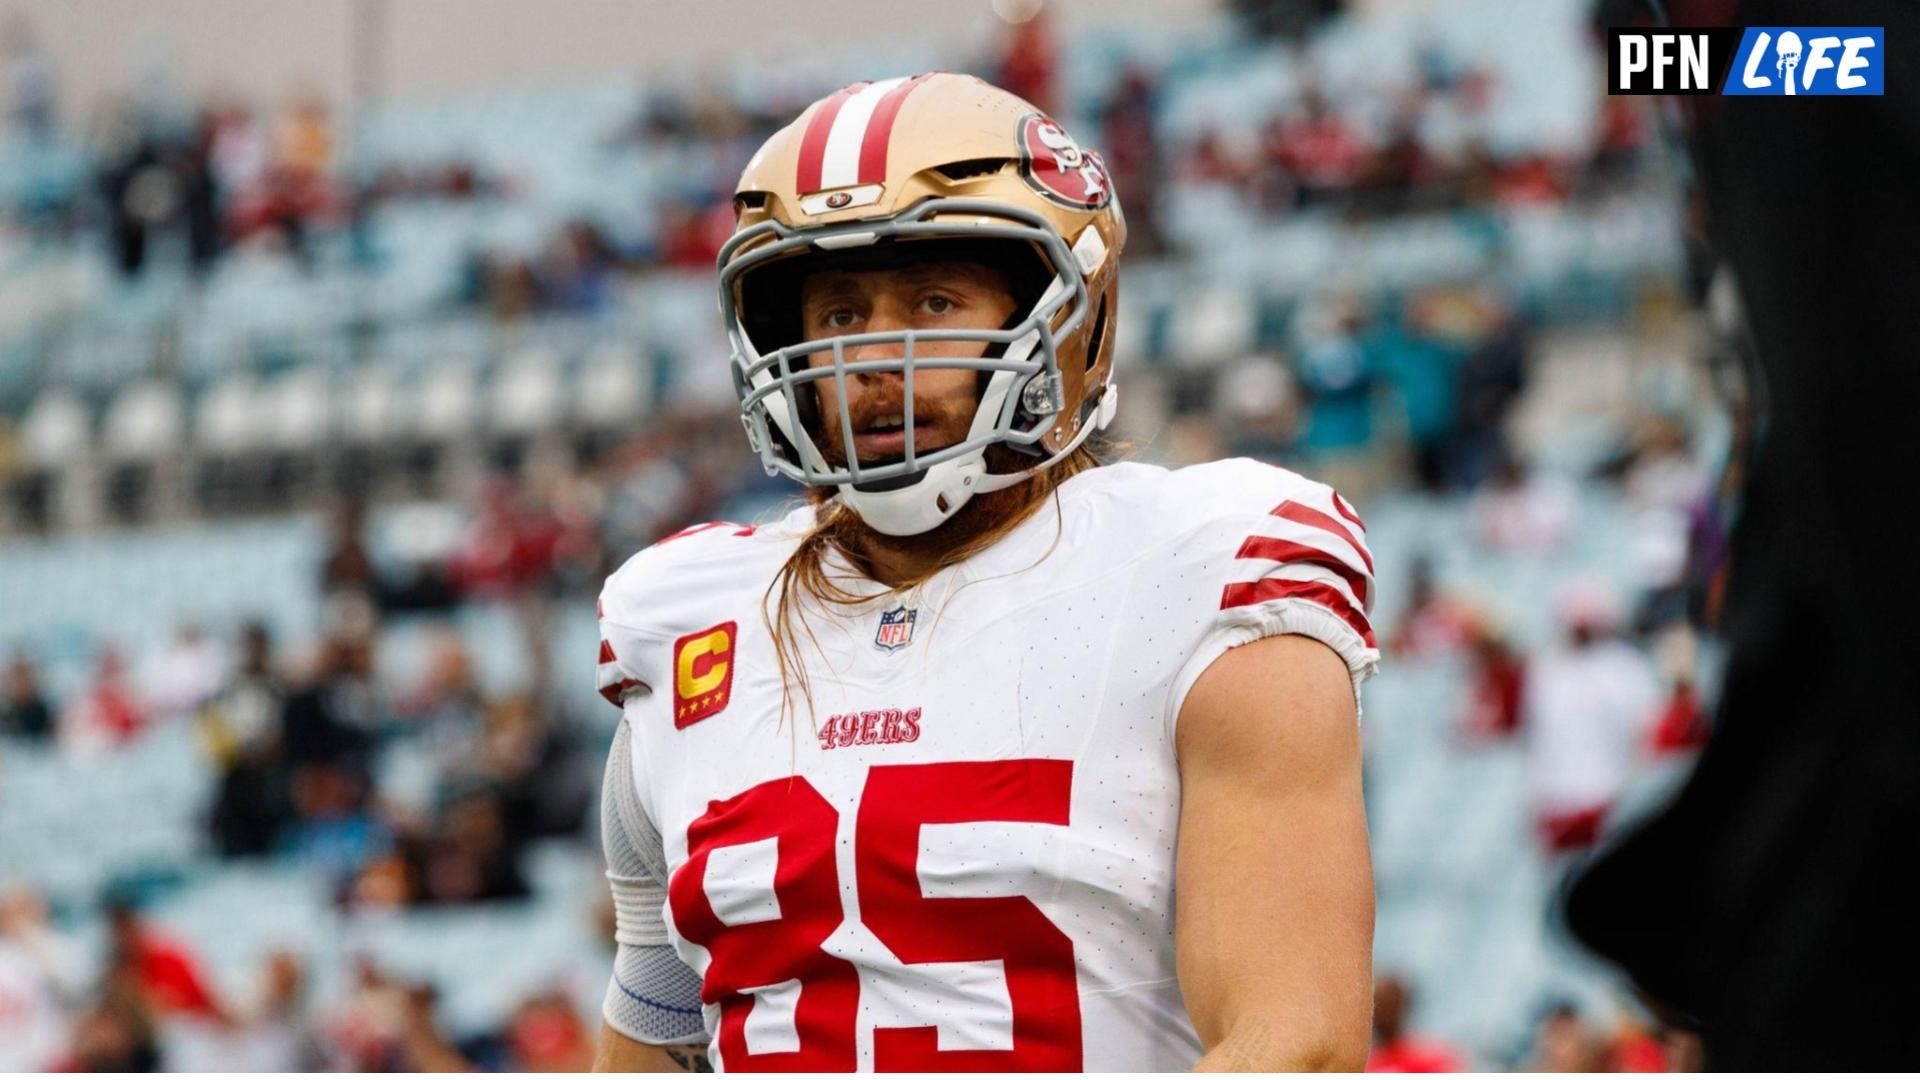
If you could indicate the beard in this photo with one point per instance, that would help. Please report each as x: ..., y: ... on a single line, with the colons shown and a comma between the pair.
x: 939, y: 423
x: 976, y: 525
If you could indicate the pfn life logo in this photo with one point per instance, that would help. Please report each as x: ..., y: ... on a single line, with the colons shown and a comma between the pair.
x: 1797, y: 61
x: 1789, y: 61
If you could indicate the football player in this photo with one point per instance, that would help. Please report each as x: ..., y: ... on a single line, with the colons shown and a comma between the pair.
x: 990, y: 755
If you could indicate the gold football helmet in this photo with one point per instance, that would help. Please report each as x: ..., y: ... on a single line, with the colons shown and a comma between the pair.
x: 935, y: 166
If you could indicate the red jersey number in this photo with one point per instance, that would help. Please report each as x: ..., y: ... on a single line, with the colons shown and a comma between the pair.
x: 896, y: 802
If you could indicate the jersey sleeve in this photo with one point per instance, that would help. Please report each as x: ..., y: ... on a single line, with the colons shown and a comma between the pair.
x: 658, y: 596
x: 1268, y: 552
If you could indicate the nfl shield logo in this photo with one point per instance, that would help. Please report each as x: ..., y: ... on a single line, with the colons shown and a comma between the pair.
x: 896, y: 628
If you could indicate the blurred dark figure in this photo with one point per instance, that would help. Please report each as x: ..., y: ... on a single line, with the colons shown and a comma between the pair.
x: 332, y: 720
x: 536, y: 770
x: 1394, y: 1048
x: 348, y: 567
x: 25, y: 711
x: 115, y: 1035
x: 1135, y: 158
x: 473, y: 858
x: 1284, y: 18
x: 242, y: 728
x: 1770, y: 903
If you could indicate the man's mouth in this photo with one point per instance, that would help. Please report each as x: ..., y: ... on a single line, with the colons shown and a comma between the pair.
x: 883, y: 438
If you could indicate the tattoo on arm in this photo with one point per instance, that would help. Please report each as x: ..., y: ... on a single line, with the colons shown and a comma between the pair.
x: 690, y: 1059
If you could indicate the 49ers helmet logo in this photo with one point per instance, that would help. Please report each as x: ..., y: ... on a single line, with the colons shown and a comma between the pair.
x: 1057, y: 167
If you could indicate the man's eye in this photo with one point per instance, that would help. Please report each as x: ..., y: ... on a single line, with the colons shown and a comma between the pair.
x: 840, y: 320
x: 938, y: 305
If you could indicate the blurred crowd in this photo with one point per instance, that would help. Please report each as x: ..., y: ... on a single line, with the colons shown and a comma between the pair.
x: 149, y: 1004
x: 225, y: 175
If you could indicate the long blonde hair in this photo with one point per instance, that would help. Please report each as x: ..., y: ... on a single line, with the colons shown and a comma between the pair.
x: 982, y: 523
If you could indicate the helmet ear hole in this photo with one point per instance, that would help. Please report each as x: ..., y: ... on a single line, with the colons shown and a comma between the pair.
x: 1097, y: 337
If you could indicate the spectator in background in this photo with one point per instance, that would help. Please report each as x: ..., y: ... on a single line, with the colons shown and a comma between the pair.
x: 273, y: 1035
x: 389, y: 1026
x: 164, y: 975
x: 509, y: 551
x: 1434, y: 624
x: 473, y: 858
x: 546, y: 1035
x: 277, y: 1036
x: 511, y: 554
x: 348, y: 567
x: 304, y: 146
x: 335, y: 831
x: 1136, y: 159
x: 1027, y: 62
x: 178, y: 681
x: 1562, y: 1043
x: 576, y: 271
x: 105, y: 715
x: 1394, y: 1048
x: 1317, y: 148
x: 1498, y: 683
x: 445, y: 710
x: 1520, y: 513
x: 237, y: 152
x: 1335, y: 373
x: 1424, y: 370
x: 241, y: 726
x: 38, y: 977
x: 333, y: 719
x: 1586, y: 709
x: 31, y: 87
x: 1260, y: 405
x: 25, y: 711
x: 115, y: 1035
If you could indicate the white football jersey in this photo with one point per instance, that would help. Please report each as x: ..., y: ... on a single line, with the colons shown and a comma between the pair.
x: 962, y: 855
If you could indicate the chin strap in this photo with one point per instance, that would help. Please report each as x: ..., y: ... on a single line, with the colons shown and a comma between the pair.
x: 1109, y: 404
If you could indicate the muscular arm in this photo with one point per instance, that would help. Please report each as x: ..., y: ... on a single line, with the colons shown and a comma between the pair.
x: 618, y: 1053
x: 1274, y: 919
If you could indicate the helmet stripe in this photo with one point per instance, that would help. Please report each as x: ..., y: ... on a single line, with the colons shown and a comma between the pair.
x: 813, y: 145
x: 840, y: 161
x: 873, y: 147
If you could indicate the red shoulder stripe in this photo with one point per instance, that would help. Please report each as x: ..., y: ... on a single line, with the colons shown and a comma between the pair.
x: 1278, y: 550
x: 1347, y: 511
x: 1247, y: 593
x: 1307, y: 515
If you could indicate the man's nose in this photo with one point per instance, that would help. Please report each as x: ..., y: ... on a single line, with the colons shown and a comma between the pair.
x: 883, y: 319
